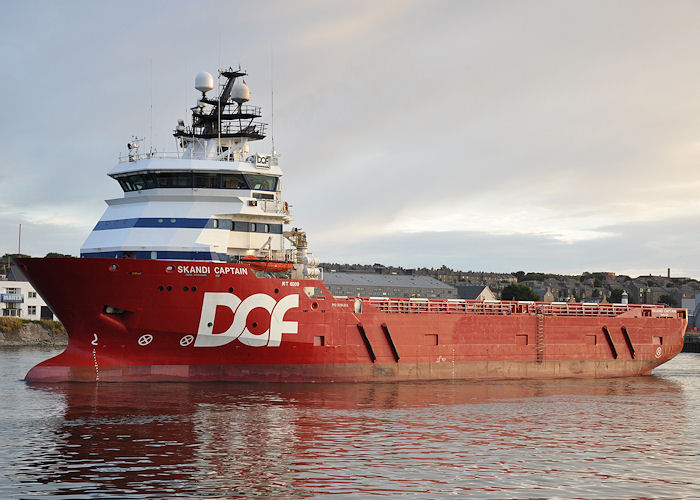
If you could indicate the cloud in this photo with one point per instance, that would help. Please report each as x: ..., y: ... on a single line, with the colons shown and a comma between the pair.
x: 634, y: 249
x: 512, y: 134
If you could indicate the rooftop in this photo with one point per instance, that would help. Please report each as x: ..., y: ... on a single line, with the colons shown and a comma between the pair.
x: 395, y: 280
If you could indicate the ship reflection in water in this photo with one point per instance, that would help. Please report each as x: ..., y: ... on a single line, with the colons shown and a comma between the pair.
x: 582, y: 438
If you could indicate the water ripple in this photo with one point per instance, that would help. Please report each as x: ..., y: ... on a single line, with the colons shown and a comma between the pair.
x: 562, y: 439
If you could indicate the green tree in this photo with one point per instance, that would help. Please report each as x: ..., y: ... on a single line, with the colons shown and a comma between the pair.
x: 668, y: 300
x: 615, y: 296
x: 56, y: 254
x: 519, y: 292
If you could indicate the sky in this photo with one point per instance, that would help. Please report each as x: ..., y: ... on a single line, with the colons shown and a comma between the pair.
x: 551, y: 136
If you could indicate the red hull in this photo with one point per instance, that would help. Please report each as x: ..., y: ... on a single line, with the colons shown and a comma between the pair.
x: 149, y: 320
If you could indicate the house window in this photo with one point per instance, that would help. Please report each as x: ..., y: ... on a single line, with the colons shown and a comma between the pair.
x: 252, y: 227
x: 31, y: 310
x: 31, y: 295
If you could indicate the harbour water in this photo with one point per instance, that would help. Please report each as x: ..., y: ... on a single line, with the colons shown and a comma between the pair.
x: 617, y: 438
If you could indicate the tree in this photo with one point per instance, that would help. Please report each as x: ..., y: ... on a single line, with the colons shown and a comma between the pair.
x: 56, y: 254
x: 519, y: 292
x: 615, y: 296
x: 668, y: 300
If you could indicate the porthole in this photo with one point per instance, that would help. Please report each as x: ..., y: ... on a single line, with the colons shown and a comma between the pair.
x: 277, y: 290
x: 169, y: 288
x: 230, y: 290
x: 194, y: 288
x: 113, y: 267
x: 160, y: 288
x: 314, y: 305
x: 169, y: 269
x: 185, y: 288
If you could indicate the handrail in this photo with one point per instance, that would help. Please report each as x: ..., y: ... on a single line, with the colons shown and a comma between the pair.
x: 126, y: 157
x: 505, y: 308
x: 235, y: 156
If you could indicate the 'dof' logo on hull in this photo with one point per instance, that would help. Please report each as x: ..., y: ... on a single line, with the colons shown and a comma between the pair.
x: 238, y: 329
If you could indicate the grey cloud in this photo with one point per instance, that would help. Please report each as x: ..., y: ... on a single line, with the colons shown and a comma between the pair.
x: 575, y: 107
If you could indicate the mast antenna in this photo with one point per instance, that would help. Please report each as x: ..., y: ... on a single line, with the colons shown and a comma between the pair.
x: 272, y: 102
x: 218, y: 107
x: 150, y: 114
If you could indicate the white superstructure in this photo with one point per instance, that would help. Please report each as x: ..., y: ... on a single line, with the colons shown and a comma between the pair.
x: 213, y: 200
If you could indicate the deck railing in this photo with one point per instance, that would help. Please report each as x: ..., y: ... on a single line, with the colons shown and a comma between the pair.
x: 505, y: 308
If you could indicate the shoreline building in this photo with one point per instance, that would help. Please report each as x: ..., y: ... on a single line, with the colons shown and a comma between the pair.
x: 387, y: 285
x: 18, y: 299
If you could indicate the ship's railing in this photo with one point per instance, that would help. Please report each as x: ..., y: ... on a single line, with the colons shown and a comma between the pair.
x: 183, y: 154
x: 125, y: 157
x: 231, y: 108
x: 275, y: 207
x: 504, y: 308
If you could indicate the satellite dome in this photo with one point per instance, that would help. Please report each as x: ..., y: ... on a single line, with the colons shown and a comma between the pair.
x: 204, y: 82
x: 240, y: 92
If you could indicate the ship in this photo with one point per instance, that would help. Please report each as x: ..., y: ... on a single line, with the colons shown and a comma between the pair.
x: 197, y: 274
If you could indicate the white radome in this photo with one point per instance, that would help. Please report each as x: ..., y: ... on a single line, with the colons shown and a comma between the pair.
x: 204, y: 82
x: 240, y: 92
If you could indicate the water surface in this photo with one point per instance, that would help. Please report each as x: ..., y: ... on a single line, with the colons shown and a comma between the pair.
x: 616, y: 438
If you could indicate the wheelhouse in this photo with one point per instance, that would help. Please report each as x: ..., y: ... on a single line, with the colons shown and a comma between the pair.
x: 206, y: 180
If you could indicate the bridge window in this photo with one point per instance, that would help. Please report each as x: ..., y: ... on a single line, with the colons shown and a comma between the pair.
x: 174, y: 179
x: 136, y: 182
x: 206, y: 180
x: 233, y: 181
x: 262, y: 182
